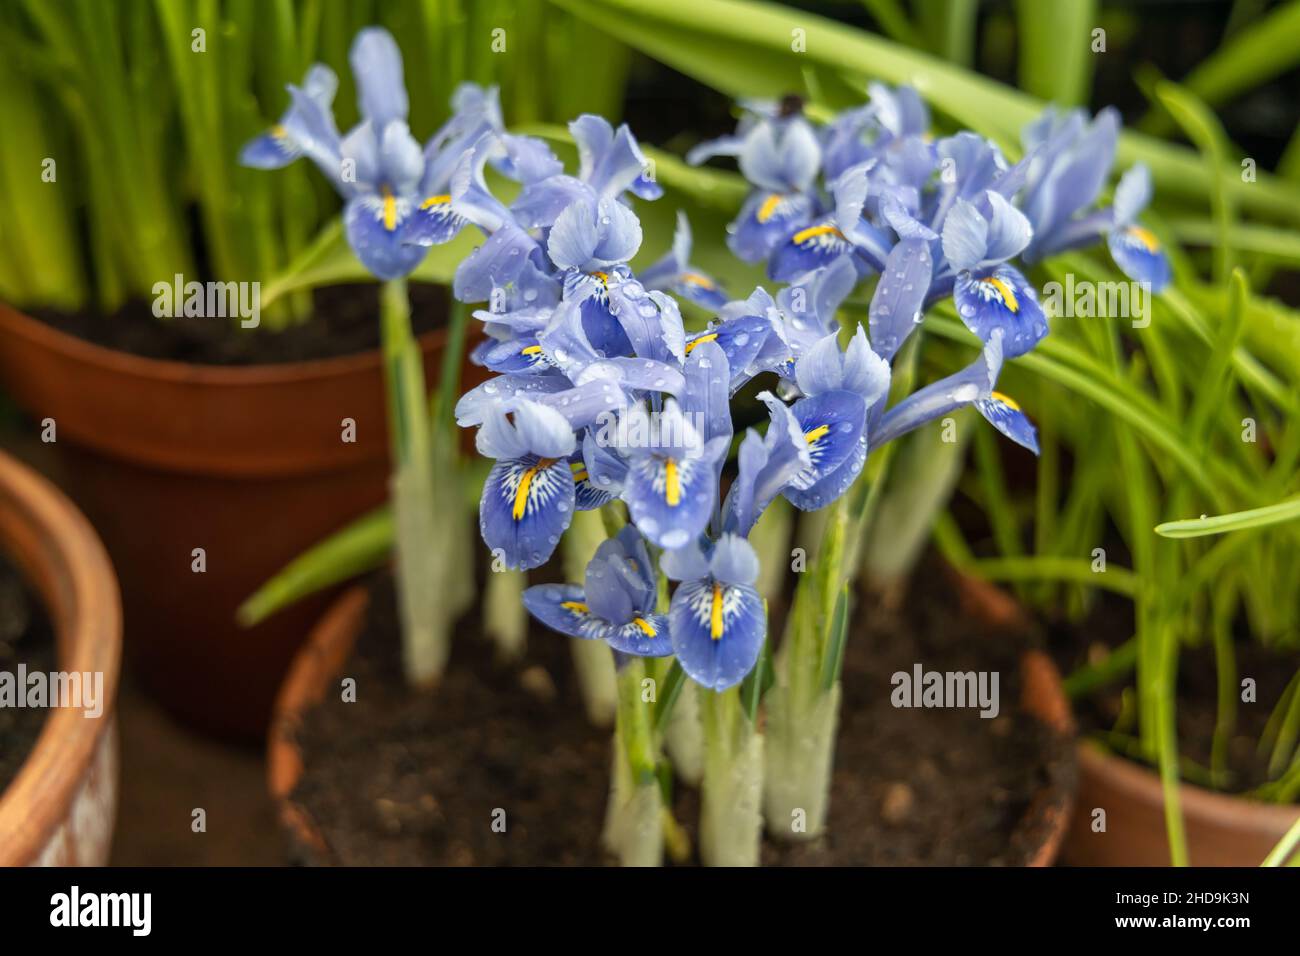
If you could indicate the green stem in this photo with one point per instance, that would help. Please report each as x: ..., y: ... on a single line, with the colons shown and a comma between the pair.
x: 634, y: 820
x: 425, y: 639
x: 1285, y: 847
x: 731, y: 823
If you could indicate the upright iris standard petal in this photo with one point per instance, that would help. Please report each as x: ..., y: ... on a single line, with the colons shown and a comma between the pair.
x: 377, y: 66
x: 717, y: 631
x: 1139, y: 254
x: 1005, y: 415
x: 527, y: 504
x: 563, y: 608
x: 1004, y: 300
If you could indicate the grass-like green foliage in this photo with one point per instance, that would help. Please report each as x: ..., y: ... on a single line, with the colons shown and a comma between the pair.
x: 145, y: 128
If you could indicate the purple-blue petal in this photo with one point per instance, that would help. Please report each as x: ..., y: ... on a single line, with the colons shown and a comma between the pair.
x: 725, y: 659
x: 526, y: 506
x: 1004, y: 300
x: 563, y: 608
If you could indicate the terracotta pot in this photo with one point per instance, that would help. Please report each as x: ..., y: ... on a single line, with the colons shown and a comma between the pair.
x: 247, y: 463
x: 315, y: 670
x: 59, y: 810
x: 1222, y: 830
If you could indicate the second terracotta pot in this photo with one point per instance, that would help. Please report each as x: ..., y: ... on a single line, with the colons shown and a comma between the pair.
x: 248, y: 464
x: 1222, y: 830
x: 60, y: 808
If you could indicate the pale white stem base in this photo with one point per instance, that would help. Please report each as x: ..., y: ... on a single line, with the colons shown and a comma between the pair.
x: 800, y: 758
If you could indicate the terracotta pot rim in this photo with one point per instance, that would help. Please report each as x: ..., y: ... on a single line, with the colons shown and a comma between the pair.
x: 335, y: 634
x: 46, y: 336
x: 1230, y: 810
x: 56, y: 548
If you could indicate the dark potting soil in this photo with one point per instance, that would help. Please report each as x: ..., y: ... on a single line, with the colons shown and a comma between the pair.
x: 405, y: 778
x: 1111, y: 622
x: 934, y: 786
x: 26, y: 637
x: 345, y: 321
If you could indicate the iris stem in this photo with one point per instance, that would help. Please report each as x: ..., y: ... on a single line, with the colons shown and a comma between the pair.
x: 634, y: 818
x: 731, y: 821
x: 425, y: 638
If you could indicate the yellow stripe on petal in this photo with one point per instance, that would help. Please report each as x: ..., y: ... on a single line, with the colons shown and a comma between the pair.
x: 1005, y: 291
x: 715, y: 614
x: 525, y: 487
x: 812, y: 232
x: 390, y: 209
x: 577, y: 607
x: 694, y: 278
x: 436, y: 201
x: 530, y: 350
x: 711, y: 337
x: 1009, y: 402
x: 768, y: 209
x: 647, y: 628
x: 672, y: 483
x: 1146, y: 237
x: 812, y: 434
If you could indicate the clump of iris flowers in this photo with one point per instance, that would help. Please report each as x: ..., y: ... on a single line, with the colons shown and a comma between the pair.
x: 604, y: 400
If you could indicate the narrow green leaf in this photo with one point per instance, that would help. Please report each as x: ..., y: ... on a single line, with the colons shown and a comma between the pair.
x: 833, y: 664
x: 1236, y: 521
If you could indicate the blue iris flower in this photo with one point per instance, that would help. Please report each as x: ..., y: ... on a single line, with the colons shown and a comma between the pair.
x: 615, y: 604
x: 839, y: 390
x: 978, y: 239
x: 780, y: 156
x: 892, y: 118
x: 602, y: 395
x: 1070, y: 162
x: 397, y: 196
x: 717, y: 619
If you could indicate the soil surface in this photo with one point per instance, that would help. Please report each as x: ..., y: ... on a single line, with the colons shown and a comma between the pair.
x: 27, y: 637
x: 933, y: 786
x: 403, y: 778
x: 345, y: 321
x: 1103, y: 710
